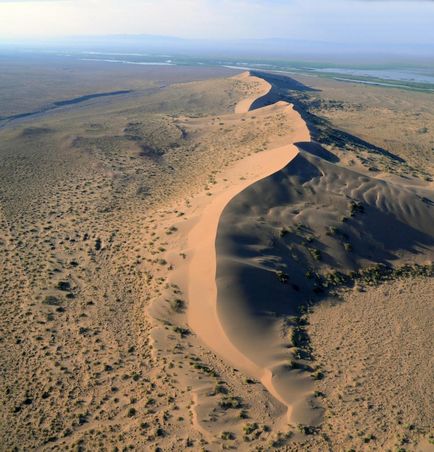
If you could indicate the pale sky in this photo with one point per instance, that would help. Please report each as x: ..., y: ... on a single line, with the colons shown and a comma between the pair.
x: 358, y: 21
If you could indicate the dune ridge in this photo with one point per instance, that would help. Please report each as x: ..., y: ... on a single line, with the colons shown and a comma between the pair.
x: 313, y: 217
x: 202, y: 291
x: 263, y: 89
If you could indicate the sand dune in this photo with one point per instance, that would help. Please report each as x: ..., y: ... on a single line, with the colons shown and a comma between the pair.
x: 209, y: 227
x: 306, y: 198
x: 251, y: 324
x: 262, y: 89
x: 203, y: 311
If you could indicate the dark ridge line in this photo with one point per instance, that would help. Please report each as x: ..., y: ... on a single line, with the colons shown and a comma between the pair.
x: 63, y: 103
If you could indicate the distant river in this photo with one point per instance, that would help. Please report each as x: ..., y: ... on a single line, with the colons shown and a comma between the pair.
x: 417, y: 75
x: 142, y: 63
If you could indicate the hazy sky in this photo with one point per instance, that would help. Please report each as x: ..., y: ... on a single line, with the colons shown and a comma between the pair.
x: 352, y: 21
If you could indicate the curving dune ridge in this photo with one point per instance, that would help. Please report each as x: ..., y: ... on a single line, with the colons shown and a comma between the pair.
x: 203, y: 313
x: 277, y: 221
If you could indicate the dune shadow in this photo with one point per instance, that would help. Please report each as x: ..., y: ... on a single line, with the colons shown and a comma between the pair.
x: 285, y: 88
x: 316, y: 149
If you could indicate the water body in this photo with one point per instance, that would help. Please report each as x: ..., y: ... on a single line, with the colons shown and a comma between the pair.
x: 142, y: 63
x: 415, y: 75
x: 367, y: 82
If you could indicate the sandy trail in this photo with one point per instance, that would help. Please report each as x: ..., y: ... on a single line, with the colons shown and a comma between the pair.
x: 201, y: 274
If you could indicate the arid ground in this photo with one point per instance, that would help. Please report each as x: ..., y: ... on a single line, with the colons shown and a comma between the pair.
x: 194, y: 258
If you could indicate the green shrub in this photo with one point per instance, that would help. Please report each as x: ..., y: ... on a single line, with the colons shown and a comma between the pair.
x: 250, y: 428
x: 178, y: 305
x: 348, y: 247
x: 282, y: 277
x: 227, y: 436
x: 230, y: 403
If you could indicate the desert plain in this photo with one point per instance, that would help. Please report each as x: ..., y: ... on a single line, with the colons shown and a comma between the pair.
x: 199, y: 258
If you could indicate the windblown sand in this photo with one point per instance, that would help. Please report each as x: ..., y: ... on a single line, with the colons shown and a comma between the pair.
x: 159, y: 256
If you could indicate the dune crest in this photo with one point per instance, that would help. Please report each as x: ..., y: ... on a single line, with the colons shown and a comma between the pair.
x: 262, y: 89
x: 283, y: 235
x: 203, y: 314
x: 249, y: 314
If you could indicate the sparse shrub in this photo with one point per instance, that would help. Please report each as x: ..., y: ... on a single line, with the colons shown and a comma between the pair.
x: 294, y: 364
x: 249, y: 381
x: 316, y: 254
x: 227, y: 436
x: 356, y: 207
x: 171, y: 230
x: 284, y: 232
x: 159, y: 432
x: 204, y: 368
x: 306, y: 429
x: 332, y: 230
x: 250, y: 428
x: 282, y: 277
x: 51, y: 301
x: 317, y: 375
x: 244, y: 414
x: 348, y: 247
x: 183, y: 332
x: 220, y: 389
x: 230, y: 403
x: 178, y: 305
x: 64, y: 285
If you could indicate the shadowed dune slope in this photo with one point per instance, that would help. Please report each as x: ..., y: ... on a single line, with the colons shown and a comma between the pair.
x: 313, y: 217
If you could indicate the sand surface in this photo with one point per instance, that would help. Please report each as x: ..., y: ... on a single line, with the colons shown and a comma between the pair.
x: 162, y: 256
x: 197, y: 239
x: 377, y: 384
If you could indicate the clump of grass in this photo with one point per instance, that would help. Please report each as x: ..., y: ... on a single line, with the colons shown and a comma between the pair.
x: 244, y: 414
x: 284, y: 232
x: 204, y: 368
x: 334, y: 279
x: 317, y: 375
x: 294, y: 365
x: 183, y: 332
x: 178, y: 305
x: 307, y: 429
x: 250, y: 428
x: 356, y: 207
x: 226, y: 436
x: 171, y: 230
x: 51, y: 301
x: 316, y: 254
x: 64, y: 285
x: 220, y: 389
x: 159, y: 432
x: 230, y: 403
x: 348, y: 247
x: 282, y: 277
x: 332, y: 230
x: 318, y: 394
x: 369, y: 438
